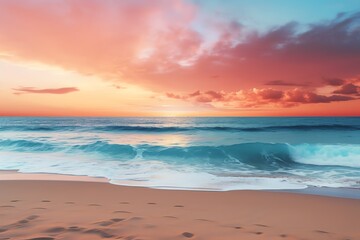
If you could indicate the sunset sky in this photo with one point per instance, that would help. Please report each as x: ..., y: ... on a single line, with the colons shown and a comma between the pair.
x: 179, y: 58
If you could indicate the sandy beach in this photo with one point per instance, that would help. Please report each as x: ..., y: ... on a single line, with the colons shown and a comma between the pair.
x: 66, y: 208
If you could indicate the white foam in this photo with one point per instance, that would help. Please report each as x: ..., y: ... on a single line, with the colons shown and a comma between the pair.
x: 157, y: 174
x: 334, y: 155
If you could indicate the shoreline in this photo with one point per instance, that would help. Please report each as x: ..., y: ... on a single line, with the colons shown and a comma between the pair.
x: 58, y: 209
x: 15, y: 175
x: 350, y: 193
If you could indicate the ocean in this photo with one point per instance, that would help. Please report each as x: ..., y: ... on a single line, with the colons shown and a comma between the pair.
x: 219, y: 153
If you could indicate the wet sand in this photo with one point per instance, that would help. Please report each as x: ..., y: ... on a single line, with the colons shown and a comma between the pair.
x: 93, y: 209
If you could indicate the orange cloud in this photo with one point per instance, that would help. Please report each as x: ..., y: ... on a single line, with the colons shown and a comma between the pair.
x: 259, y: 97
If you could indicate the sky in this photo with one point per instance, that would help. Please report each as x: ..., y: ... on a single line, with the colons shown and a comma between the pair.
x: 179, y: 58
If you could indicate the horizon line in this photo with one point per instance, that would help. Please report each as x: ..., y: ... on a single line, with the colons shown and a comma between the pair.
x: 210, y: 116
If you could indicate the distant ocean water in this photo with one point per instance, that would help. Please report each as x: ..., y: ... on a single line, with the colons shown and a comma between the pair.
x: 189, y: 153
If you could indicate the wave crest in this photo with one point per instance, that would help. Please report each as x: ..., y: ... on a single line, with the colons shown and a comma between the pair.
x: 257, y: 155
x: 25, y: 145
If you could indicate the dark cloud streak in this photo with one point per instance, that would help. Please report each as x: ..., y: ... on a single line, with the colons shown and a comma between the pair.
x: 284, y: 83
x: 334, y: 81
x: 25, y: 90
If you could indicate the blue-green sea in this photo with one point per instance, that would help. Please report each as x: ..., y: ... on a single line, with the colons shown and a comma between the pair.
x: 189, y: 153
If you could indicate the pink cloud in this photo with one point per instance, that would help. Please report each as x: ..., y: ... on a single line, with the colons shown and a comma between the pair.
x: 65, y: 90
x: 176, y: 96
x: 154, y: 44
x: 96, y: 37
x: 327, y: 49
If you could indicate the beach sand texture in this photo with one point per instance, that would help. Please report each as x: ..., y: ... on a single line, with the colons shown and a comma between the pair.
x: 45, y: 210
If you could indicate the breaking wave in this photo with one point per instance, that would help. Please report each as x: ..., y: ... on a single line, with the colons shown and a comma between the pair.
x: 266, y: 156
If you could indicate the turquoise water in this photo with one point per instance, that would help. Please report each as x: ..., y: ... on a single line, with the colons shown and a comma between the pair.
x: 189, y: 153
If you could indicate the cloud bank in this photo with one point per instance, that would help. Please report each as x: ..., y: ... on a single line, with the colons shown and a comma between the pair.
x: 259, y: 97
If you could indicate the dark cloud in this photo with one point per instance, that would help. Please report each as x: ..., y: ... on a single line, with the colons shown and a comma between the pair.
x: 271, y: 94
x: 348, y: 88
x: 334, y: 81
x: 65, y: 90
x: 283, y: 83
x: 300, y: 96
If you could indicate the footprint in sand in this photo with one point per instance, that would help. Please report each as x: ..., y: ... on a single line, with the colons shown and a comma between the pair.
x: 32, y: 217
x: 55, y: 230
x: 203, y: 220
x: 283, y: 235
x: 23, y: 221
x: 28, y: 219
x: 19, y: 224
x: 41, y: 238
x: 94, y: 205
x: 7, y: 206
x: 130, y: 238
x: 117, y: 219
x: 45, y: 201
x: 69, y: 203
x: 99, y: 232
x: 15, y: 200
x: 170, y: 217
x: 238, y: 227
x: 75, y: 229
x: 105, y: 223
x: 187, y: 234
x: 151, y: 203
x: 124, y: 203
x: 40, y: 208
x: 178, y: 206
x: 261, y: 225
x: 321, y: 231
x: 110, y: 222
x: 135, y: 219
x: 258, y: 233
x: 120, y: 211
